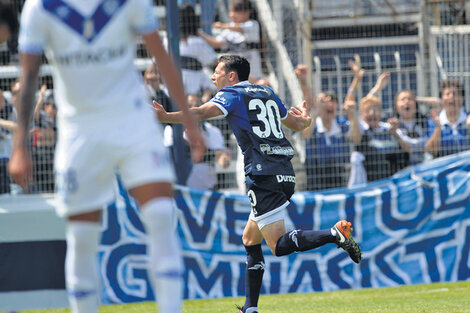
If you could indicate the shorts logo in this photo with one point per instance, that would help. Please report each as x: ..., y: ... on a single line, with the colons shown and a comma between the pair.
x: 251, y: 195
x: 285, y: 178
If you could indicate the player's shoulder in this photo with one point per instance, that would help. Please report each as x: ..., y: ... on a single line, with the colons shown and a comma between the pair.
x: 227, y: 92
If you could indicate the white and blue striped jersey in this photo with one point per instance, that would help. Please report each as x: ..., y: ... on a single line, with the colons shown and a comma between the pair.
x: 254, y: 113
x: 91, y: 45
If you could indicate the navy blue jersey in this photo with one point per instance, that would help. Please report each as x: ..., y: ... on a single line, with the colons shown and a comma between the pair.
x: 254, y: 113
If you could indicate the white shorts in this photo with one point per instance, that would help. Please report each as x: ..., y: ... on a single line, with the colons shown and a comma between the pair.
x: 87, y: 162
x: 273, y: 216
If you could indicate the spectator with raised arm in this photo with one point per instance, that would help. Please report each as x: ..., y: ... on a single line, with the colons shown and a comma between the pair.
x: 385, y: 153
x: 328, y: 140
x: 408, y: 123
x: 448, y: 131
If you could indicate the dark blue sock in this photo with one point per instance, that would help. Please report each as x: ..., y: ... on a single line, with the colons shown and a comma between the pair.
x: 254, y: 275
x: 303, y: 240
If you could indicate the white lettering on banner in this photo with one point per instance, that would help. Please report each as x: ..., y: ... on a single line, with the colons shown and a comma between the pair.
x: 285, y: 178
x: 429, y: 244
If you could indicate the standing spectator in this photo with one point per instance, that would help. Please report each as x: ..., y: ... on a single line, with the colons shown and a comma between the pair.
x: 409, y: 123
x: 154, y: 84
x: 196, y: 55
x: 7, y: 127
x: 448, y: 132
x: 208, y: 9
x: 329, y: 137
x: 241, y: 36
x: 202, y: 174
x: 105, y: 128
x: 44, y: 140
x: 383, y: 149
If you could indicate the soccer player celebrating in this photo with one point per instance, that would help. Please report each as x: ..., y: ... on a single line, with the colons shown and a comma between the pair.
x: 255, y: 114
x: 105, y: 127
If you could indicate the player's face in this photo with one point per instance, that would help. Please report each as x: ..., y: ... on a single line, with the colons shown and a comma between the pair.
x: 406, y: 105
x: 220, y: 78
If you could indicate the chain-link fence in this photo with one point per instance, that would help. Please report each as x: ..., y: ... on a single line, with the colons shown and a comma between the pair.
x: 420, y: 44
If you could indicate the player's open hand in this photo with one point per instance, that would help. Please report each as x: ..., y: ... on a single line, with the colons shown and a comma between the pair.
x: 302, y: 111
x: 161, y: 112
x: 20, y: 167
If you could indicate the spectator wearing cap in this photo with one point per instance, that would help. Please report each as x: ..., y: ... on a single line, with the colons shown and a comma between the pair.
x: 448, y: 131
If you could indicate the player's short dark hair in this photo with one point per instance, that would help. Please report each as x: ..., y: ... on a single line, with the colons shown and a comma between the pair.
x: 8, y: 16
x: 448, y: 83
x: 238, y: 64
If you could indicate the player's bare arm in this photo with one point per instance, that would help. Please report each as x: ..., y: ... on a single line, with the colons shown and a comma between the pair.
x: 298, y: 118
x: 20, y: 165
x: 203, y: 112
x: 175, y: 86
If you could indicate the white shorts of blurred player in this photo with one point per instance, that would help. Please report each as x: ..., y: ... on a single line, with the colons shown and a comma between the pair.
x: 87, y: 162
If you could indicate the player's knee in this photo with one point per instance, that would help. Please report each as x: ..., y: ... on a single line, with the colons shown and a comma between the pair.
x: 248, y: 241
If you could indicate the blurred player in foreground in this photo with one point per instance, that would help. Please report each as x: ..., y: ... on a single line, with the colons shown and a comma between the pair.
x: 255, y: 115
x: 105, y: 127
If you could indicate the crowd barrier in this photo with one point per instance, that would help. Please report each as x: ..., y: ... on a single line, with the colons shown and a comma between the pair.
x: 413, y: 228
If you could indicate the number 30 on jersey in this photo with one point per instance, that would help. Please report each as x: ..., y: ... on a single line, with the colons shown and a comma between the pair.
x: 269, y: 116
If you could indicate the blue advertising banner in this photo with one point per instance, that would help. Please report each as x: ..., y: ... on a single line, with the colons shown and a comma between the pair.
x: 413, y: 228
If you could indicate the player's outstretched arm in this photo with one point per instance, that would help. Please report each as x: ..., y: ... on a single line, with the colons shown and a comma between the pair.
x: 200, y: 113
x: 175, y: 86
x: 20, y: 165
x: 298, y: 118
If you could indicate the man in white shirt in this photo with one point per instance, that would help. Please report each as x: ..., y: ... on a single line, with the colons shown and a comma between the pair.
x: 105, y: 126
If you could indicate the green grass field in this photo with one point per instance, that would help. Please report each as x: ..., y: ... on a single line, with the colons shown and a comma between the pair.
x: 442, y: 297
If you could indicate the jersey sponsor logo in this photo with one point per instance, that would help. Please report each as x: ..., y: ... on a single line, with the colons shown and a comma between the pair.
x: 99, y: 56
x: 277, y: 150
x: 219, y: 98
x: 285, y: 178
x: 256, y: 89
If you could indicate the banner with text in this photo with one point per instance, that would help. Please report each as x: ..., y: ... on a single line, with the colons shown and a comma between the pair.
x: 413, y: 228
